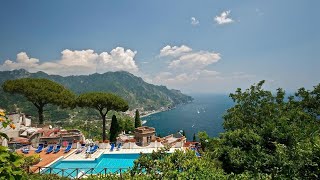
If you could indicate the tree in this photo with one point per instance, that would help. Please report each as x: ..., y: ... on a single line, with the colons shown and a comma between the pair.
x: 194, y: 137
x: 178, y: 165
x: 40, y: 92
x: 270, y: 136
x: 102, y: 102
x: 114, y: 128
x: 126, y: 124
x: 137, y: 121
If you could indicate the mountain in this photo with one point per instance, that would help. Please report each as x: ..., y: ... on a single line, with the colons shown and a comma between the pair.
x: 137, y: 92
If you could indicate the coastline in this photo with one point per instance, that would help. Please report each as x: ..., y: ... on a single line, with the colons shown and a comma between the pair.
x: 154, y: 112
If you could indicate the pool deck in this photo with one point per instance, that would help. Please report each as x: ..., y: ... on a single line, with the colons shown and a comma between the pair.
x: 82, y: 156
x: 46, y: 159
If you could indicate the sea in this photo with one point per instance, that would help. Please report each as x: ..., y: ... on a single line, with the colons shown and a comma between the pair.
x: 205, y: 113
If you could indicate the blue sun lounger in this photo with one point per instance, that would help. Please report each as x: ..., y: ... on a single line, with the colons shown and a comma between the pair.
x: 88, y: 149
x: 68, y: 148
x: 40, y: 147
x: 198, y: 154
x: 112, y: 147
x: 25, y: 150
x: 119, y: 146
x: 94, y: 149
x: 49, y: 149
x: 57, y: 149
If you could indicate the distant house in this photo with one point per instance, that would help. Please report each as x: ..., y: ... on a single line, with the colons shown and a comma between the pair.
x: 21, y: 122
x: 47, y: 135
x: 144, y: 135
x: 24, y: 133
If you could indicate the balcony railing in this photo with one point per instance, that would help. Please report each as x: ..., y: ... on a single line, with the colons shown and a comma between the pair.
x: 78, y: 173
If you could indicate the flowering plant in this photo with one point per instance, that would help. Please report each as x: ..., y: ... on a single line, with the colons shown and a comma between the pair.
x: 5, y: 121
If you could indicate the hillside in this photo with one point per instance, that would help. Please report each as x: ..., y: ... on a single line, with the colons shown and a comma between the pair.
x: 137, y: 92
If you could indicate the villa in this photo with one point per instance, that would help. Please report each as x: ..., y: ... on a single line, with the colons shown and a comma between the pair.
x: 25, y: 133
x: 144, y: 137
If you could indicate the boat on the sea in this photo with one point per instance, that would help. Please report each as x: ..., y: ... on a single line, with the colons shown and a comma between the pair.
x: 143, y: 122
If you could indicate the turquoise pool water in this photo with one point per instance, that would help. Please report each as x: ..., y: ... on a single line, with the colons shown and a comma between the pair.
x: 110, y: 163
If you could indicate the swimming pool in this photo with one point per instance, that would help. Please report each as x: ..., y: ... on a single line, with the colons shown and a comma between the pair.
x: 106, y: 163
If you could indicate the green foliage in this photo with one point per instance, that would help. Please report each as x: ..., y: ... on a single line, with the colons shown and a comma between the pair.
x: 126, y: 124
x: 178, y: 165
x: 194, y: 138
x: 40, y: 92
x: 4, y: 121
x: 103, y: 102
x: 10, y: 165
x: 114, y: 129
x: 137, y: 120
x: 30, y: 160
x: 36, y: 176
x: 268, y: 136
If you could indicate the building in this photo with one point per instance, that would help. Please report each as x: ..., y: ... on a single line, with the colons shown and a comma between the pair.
x: 48, y: 135
x: 21, y: 122
x: 24, y: 133
x: 144, y: 135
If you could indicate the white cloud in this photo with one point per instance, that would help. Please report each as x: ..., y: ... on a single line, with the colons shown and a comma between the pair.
x: 174, y: 50
x: 194, y: 21
x: 224, y: 18
x: 184, y: 57
x: 195, y: 60
x: 185, y: 65
x: 22, y: 61
x: 78, y: 62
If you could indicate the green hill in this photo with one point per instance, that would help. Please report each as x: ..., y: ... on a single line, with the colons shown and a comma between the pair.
x: 137, y: 92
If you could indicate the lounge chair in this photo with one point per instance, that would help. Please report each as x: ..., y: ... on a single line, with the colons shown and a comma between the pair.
x: 88, y: 149
x: 112, y: 147
x: 94, y: 149
x: 68, y: 148
x: 119, y: 146
x: 49, y: 149
x: 81, y: 148
x: 198, y: 154
x: 40, y: 147
x: 25, y: 150
x: 57, y: 149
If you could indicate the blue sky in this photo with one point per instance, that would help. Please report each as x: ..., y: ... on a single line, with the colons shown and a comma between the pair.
x: 194, y: 46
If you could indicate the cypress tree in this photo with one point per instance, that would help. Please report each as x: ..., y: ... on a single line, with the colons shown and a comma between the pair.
x: 137, y: 121
x: 114, y: 129
x: 194, y: 137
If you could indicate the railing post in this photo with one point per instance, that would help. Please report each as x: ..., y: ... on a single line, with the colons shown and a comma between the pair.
x: 39, y: 169
x: 62, y: 172
x: 77, y: 173
x: 50, y: 170
x: 105, y: 172
x: 120, y: 174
